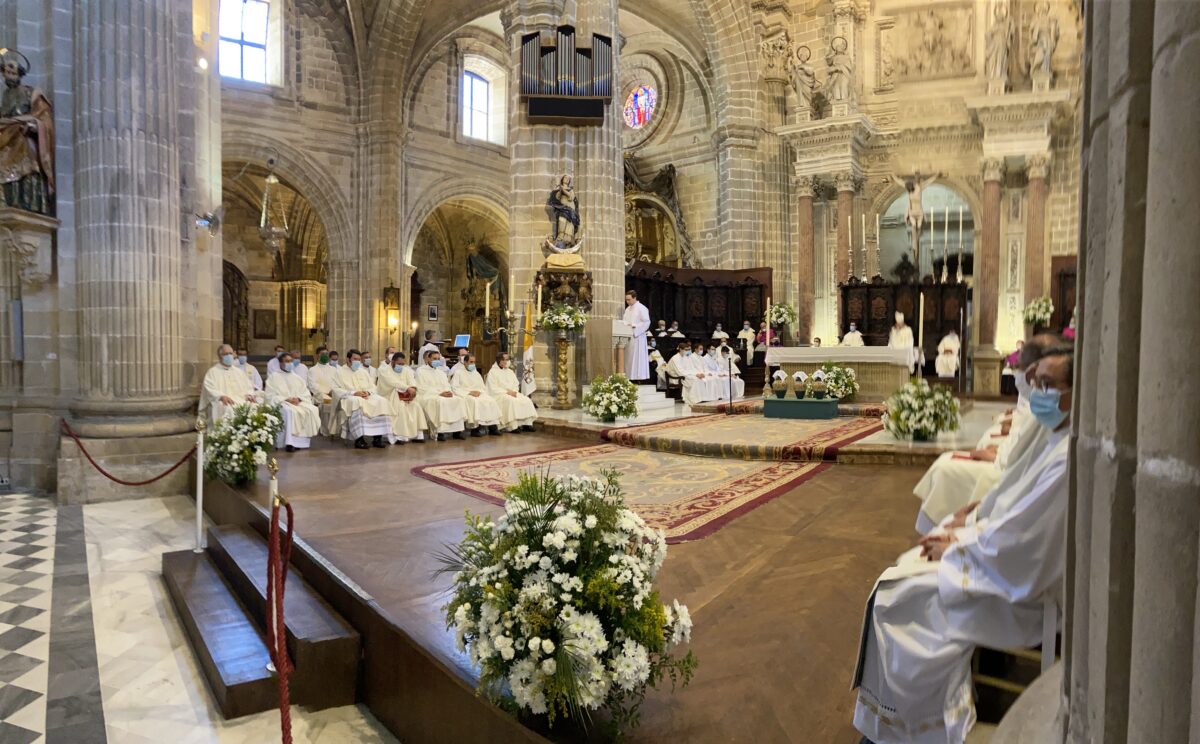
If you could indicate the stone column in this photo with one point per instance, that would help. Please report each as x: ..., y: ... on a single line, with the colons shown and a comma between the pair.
x: 987, y: 282
x: 1035, y: 226
x: 740, y: 180
x: 806, y: 275
x: 382, y: 157
x: 845, y: 215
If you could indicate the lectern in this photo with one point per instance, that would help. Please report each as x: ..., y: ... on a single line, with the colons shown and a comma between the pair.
x: 621, y: 334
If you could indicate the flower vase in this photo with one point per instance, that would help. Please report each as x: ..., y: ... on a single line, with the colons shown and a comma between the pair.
x: 780, y: 388
x: 923, y: 436
x: 561, y: 334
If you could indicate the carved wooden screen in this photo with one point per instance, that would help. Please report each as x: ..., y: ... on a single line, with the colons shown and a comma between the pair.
x: 701, y: 298
x: 236, y: 318
x: 871, y: 305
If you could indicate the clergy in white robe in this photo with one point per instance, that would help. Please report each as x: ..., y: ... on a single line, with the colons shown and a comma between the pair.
x: 660, y: 366
x: 243, y: 362
x: 661, y: 330
x: 728, y: 372
x: 298, y: 367
x: 360, y: 412
x: 369, y: 366
x: 719, y: 334
x: 516, y: 410
x: 745, y: 336
x: 481, y: 408
x: 320, y: 384
x: 637, y: 356
x: 901, y: 337
x: 698, y: 386
x: 853, y: 337
x: 427, y: 347
x: 225, y: 387
x: 445, y: 411
x: 301, y: 419
x: 273, y: 362
x: 973, y: 583
x: 398, y: 385
x: 946, y: 363
x: 460, y: 365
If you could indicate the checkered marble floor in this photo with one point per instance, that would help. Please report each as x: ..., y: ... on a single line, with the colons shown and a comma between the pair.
x: 27, y: 533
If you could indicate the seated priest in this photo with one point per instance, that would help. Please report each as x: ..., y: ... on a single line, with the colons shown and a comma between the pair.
x: 816, y: 342
x: 698, y: 386
x: 657, y: 363
x: 853, y: 336
x: 481, y: 408
x: 516, y: 410
x: 719, y: 334
x: 709, y: 364
x: 731, y: 376
x: 301, y: 419
x: 299, y: 368
x: 273, y: 362
x: 958, y: 478
x: 946, y: 363
x: 981, y: 579
x: 431, y: 344
x: 243, y: 362
x: 718, y: 350
x: 674, y: 331
x: 359, y: 411
x: 225, y: 387
x: 444, y: 411
x: 745, y: 336
x: 461, y: 364
x: 320, y: 384
x: 372, y: 372
x: 398, y: 386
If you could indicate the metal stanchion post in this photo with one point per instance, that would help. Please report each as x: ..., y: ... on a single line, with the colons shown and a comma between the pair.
x: 200, y: 541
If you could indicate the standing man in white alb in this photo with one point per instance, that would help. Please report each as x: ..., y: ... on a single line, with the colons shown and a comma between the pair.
x: 637, y: 357
x: 901, y: 337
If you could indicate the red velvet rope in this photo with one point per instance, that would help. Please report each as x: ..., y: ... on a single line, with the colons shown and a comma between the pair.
x: 69, y: 432
x: 279, y: 555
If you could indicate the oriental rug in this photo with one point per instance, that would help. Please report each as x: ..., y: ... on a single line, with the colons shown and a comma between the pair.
x: 748, y: 437
x: 687, y: 497
x: 755, y: 405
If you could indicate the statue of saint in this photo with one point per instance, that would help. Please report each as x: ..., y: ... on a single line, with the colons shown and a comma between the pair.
x: 564, y: 242
x: 26, y: 140
x: 999, y: 39
x: 840, y: 74
x: 1043, y: 38
x: 804, y: 78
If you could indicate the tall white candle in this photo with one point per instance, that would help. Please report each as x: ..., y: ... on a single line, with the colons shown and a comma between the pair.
x: 487, y: 302
x: 768, y: 322
x: 539, y: 305
x: 921, y: 323
x: 960, y: 224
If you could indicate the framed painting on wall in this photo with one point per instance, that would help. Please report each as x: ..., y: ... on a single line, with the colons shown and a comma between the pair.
x: 264, y: 324
x: 432, y: 314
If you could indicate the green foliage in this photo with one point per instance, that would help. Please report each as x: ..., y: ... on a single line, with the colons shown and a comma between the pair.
x: 239, y: 443
x: 610, y: 398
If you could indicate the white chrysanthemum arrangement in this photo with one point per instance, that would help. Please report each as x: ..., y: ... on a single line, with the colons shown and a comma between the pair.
x: 1038, y: 311
x: 841, y: 382
x: 783, y: 314
x: 561, y: 317
x: 554, y: 602
x: 610, y: 398
x: 920, y: 412
x: 239, y: 443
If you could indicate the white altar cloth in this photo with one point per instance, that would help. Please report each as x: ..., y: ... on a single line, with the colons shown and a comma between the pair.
x: 841, y: 354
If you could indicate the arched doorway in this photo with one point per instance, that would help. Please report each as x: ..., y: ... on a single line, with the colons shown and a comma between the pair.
x: 949, y: 222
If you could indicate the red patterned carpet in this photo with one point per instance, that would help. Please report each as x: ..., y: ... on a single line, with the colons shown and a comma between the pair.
x: 687, y: 497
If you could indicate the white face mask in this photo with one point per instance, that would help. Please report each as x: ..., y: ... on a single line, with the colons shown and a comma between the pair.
x: 1023, y: 386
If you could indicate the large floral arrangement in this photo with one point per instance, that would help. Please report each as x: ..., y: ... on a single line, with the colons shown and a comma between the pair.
x: 920, y: 412
x: 1038, y: 311
x: 782, y: 315
x: 239, y: 443
x: 610, y: 398
x: 561, y: 317
x: 841, y: 382
x: 554, y: 602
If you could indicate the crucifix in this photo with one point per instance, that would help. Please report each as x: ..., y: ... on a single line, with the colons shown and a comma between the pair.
x: 914, y: 213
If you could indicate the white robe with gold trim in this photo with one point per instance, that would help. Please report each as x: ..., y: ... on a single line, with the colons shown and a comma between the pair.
x: 355, y: 416
x: 481, y: 408
x: 301, y: 421
x: 515, y: 409
x: 408, y: 420
x: 231, y: 382
x: 444, y: 414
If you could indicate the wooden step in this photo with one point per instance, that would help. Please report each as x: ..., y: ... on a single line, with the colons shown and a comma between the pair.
x: 323, y: 647
x: 225, y: 638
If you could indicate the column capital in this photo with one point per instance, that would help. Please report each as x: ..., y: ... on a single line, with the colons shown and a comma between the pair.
x: 846, y: 181
x: 805, y: 186
x: 1037, y: 166
x: 993, y: 169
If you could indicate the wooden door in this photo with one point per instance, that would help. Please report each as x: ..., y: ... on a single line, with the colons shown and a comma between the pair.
x: 235, y: 294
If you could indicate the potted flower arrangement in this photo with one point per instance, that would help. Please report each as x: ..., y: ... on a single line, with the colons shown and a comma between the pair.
x: 1038, y: 311
x: 610, y: 398
x: 562, y: 318
x: 782, y: 315
x: 238, y: 444
x: 841, y: 382
x: 554, y: 603
x: 920, y: 412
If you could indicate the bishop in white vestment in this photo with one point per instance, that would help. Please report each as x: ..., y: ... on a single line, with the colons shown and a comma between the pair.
x: 398, y: 386
x: 226, y: 386
x: 360, y: 412
x: 637, y: 357
x: 516, y: 410
x: 901, y: 337
x: 978, y: 581
x: 445, y: 411
x: 947, y: 357
x: 482, y: 409
x: 301, y: 419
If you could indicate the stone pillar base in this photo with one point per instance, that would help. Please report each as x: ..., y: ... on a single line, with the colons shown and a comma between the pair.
x: 988, y: 364
x: 132, y: 458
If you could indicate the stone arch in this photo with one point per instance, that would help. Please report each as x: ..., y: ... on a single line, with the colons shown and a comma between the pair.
x: 961, y: 186
x: 729, y: 38
x: 491, y: 199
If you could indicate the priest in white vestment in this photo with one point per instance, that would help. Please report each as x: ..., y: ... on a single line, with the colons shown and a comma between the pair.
x: 243, y: 362
x: 298, y: 367
x: 360, y: 412
x: 698, y: 387
x: 398, y: 386
x: 225, y: 387
x: 445, y: 411
x: 853, y: 336
x: 482, y: 410
x: 981, y: 580
x: 320, y: 384
x: 516, y: 411
x: 719, y: 334
x: 637, y: 357
x: 745, y: 336
x: 946, y: 363
x: 273, y: 362
x: 660, y: 364
x: 427, y: 347
x: 901, y: 337
x: 728, y: 371
x: 301, y: 419
x: 460, y: 365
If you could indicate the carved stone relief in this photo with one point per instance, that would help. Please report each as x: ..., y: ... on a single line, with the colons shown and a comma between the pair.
x: 1014, y: 263
x: 933, y: 43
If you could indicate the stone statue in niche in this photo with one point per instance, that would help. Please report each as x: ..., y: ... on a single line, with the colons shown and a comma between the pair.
x: 26, y: 140
x: 1043, y: 39
x: 840, y: 73
x: 564, y: 242
x: 999, y: 40
x: 804, y: 81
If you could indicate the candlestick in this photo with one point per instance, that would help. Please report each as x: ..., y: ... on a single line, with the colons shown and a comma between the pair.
x: 768, y: 328
x: 487, y: 302
x: 539, y: 305
x: 960, y: 224
x: 921, y: 323
x: 878, y: 247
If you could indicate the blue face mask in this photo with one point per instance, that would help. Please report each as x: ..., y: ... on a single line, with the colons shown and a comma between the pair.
x: 367, y: 361
x: 436, y: 363
x: 242, y: 359
x: 227, y: 360
x: 470, y: 367
x: 397, y: 367
x: 687, y: 353
x: 295, y: 363
x: 1043, y: 404
x: 356, y: 365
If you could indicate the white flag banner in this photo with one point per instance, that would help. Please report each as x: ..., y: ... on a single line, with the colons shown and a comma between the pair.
x: 528, y: 381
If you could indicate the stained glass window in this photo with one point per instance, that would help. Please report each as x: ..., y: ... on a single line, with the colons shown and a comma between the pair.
x: 639, y: 106
x: 243, y: 44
